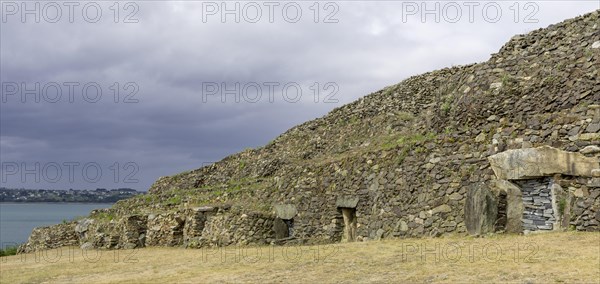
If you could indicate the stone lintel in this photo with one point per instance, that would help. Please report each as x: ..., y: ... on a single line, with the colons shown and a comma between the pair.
x: 346, y: 202
x: 286, y: 211
x: 205, y: 209
x: 541, y: 162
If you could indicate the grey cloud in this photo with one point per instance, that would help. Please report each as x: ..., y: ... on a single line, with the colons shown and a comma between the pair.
x: 170, y: 52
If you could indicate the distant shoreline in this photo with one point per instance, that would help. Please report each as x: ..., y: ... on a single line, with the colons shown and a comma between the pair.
x: 99, y: 195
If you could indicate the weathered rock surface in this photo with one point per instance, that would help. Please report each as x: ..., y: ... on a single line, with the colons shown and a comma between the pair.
x: 347, y: 201
x: 540, y: 162
x: 286, y: 211
x: 481, y: 210
x: 590, y: 150
x: 51, y: 237
x: 165, y: 230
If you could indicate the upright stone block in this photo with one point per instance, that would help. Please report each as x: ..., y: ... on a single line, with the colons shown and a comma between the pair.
x: 481, y: 210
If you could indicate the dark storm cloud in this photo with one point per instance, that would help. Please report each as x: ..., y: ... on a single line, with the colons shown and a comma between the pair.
x: 170, y: 53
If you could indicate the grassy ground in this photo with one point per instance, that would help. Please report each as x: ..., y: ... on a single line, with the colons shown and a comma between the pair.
x: 568, y: 257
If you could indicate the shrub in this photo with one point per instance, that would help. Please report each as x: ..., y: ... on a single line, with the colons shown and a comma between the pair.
x: 9, y: 250
x: 562, y: 204
x: 446, y: 107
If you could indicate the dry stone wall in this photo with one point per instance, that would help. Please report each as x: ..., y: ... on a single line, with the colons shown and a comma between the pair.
x: 537, y: 200
x: 233, y: 229
x: 51, y: 237
x: 165, y: 229
x: 581, y: 203
x: 195, y: 227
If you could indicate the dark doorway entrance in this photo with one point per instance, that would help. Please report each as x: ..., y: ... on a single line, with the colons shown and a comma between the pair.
x: 500, y: 225
x: 283, y: 228
x: 349, y: 215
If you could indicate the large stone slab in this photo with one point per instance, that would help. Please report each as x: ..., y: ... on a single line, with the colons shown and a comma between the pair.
x: 286, y: 211
x: 481, y: 210
x: 540, y: 162
x: 346, y: 202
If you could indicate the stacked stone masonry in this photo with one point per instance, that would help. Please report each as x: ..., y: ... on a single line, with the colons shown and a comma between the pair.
x: 537, y: 199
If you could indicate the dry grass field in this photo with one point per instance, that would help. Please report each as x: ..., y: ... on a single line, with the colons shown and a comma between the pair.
x: 566, y: 257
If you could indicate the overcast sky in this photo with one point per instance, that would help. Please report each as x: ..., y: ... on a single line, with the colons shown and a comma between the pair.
x: 169, y: 62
